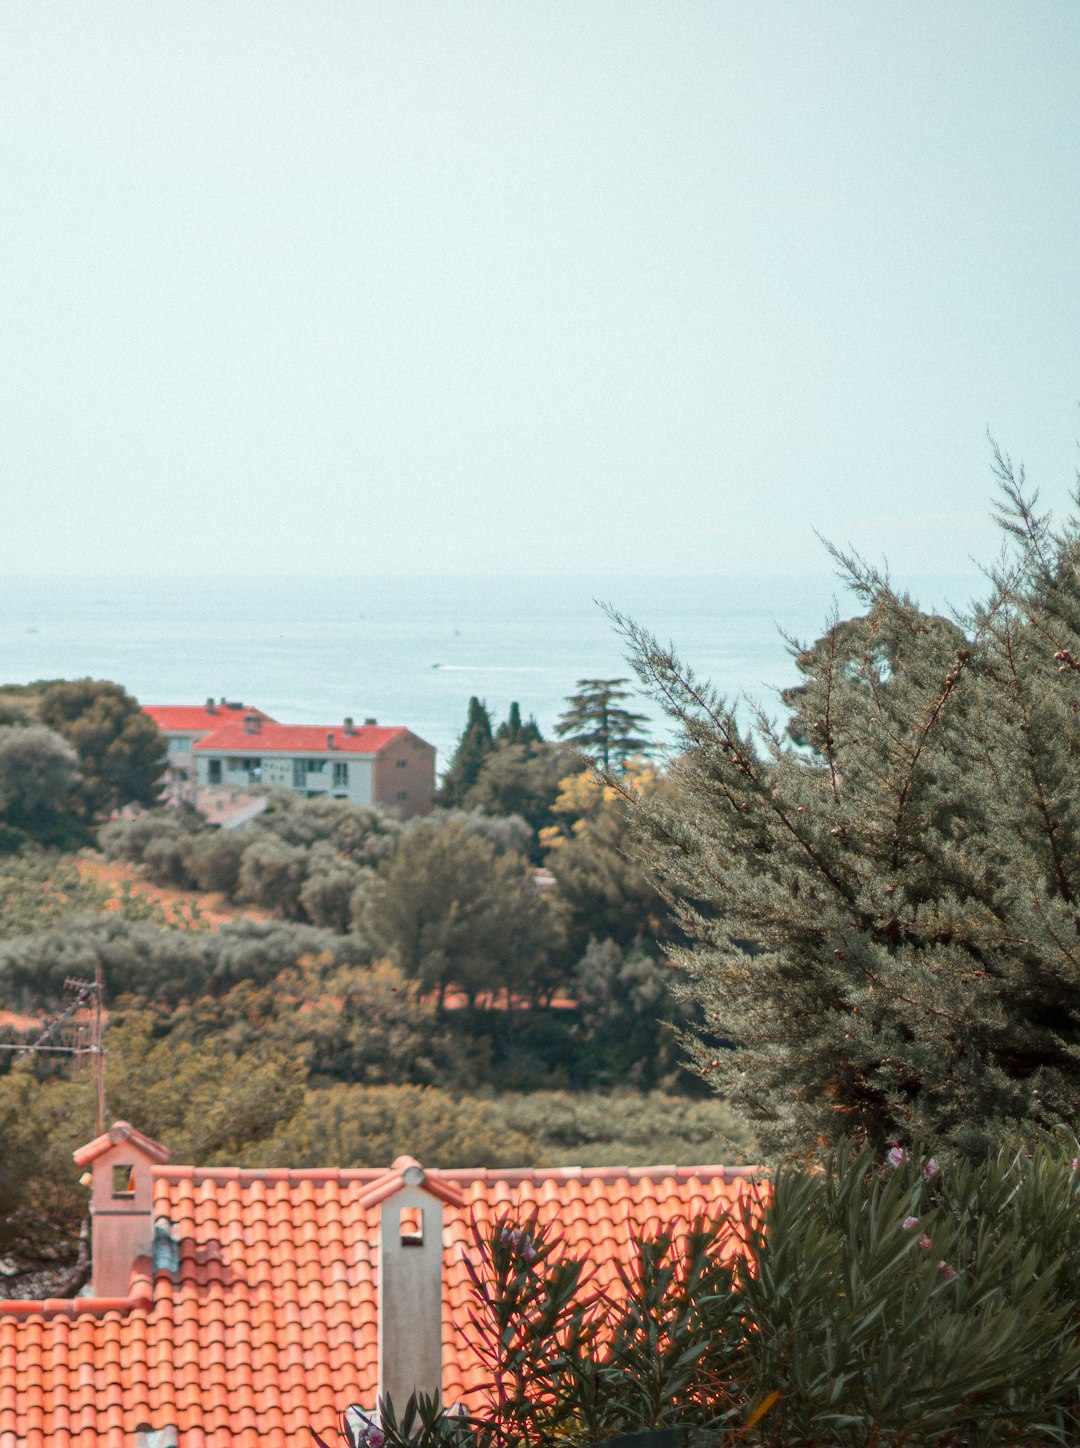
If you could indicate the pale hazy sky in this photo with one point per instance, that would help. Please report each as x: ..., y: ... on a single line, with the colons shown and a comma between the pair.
x: 350, y: 287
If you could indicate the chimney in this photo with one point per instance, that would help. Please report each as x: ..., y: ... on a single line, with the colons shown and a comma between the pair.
x: 370, y: 723
x: 252, y: 723
x: 121, y: 1204
x: 329, y: 739
x: 350, y: 727
x: 211, y: 707
x: 410, y: 1279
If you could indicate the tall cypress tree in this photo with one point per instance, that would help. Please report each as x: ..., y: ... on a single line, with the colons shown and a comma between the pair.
x: 887, y: 924
x: 513, y: 731
x: 473, y: 747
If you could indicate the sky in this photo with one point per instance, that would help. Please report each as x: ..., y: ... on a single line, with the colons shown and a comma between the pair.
x: 345, y: 288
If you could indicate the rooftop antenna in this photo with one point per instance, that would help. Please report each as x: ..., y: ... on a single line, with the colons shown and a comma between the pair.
x: 82, y: 1040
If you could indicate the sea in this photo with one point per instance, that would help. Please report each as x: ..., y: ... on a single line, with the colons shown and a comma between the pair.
x: 412, y: 650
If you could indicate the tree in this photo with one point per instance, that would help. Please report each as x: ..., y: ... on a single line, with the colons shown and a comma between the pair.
x: 365, y: 833
x: 121, y: 751
x: 513, y: 731
x: 603, y: 883
x: 625, y: 1005
x: 474, y: 746
x: 272, y: 875
x: 523, y: 779
x: 887, y: 930
x: 39, y: 771
x: 331, y: 881
x: 597, y: 724
x: 448, y: 910
x: 369, y: 1125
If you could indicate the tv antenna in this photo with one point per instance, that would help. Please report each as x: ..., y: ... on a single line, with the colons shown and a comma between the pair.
x: 77, y: 1031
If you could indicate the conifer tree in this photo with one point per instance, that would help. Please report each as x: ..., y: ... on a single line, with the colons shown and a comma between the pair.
x: 474, y: 746
x: 513, y: 731
x: 597, y: 723
x: 887, y: 924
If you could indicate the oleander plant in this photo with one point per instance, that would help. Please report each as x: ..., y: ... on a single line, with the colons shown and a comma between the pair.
x: 912, y: 1300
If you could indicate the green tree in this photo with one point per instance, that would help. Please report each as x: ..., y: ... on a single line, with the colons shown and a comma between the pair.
x: 329, y: 886
x: 603, y: 883
x: 365, y: 833
x: 887, y: 930
x: 626, y: 1006
x: 272, y: 875
x: 121, y: 751
x: 39, y: 890
x: 473, y: 748
x: 371, y: 1125
x: 39, y: 770
x: 598, y: 724
x: 513, y: 731
x: 523, y: 779
x: 448, y: 910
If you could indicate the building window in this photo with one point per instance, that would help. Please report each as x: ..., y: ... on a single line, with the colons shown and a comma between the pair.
x: 316, y: 766
x: 403, y: 794
x: 403, y: 764
x: 341, y: 776
x: 179, y: 746
x: 213, y: 771
x: 123, y: 1181
x: 299, y: 773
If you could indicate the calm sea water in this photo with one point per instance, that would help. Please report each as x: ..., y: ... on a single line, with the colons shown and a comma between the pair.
x: 409, y: 651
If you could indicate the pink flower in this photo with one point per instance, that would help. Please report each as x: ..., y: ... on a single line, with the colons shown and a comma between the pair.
x: 1075, y: 1163
x: 896, y: 1156
x: 909, y: 1222
x: 925, y: 1243
x: 521, y: 1242
x: 950, y: 1272
x: 930, y: 1169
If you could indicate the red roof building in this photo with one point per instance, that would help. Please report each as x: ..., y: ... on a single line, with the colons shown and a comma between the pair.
x: 183, y: 725
x: 227, y: 747
x: 257, y: 1303
x: 198, y: 720
x: 369, y: 764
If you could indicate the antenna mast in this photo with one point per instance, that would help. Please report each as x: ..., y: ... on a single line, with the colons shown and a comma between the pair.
x: 86, y: 1040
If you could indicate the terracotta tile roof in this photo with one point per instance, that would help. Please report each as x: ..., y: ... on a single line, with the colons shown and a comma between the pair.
x: 117, y: 1134
x: 197, y: 718
x: 269, y: 1323
x: 298, y: 739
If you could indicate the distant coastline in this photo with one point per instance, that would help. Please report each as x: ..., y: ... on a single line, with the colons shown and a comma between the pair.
x: 411, y: 650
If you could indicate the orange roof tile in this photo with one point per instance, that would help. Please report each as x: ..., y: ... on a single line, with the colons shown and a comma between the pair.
x: 198, y: 718
x: 118, y: 1132
x: 270, y: 1322
x: 272, y: 738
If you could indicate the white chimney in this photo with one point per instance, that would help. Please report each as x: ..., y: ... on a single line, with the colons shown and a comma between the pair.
x: 410, y: 1279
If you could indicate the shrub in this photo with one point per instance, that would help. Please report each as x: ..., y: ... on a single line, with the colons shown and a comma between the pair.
x: 153, y: 839
x: 910, y: 1305
x: 329, y: 886
x: 625, y: 1129
x: 213, y: 860
x: 272, y: 875
x: 162, y: 966
x: 365, y: 833
x: 371, y: 1125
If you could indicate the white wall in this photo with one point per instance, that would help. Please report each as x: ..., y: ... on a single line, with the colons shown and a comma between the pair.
x: 277, y: 772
